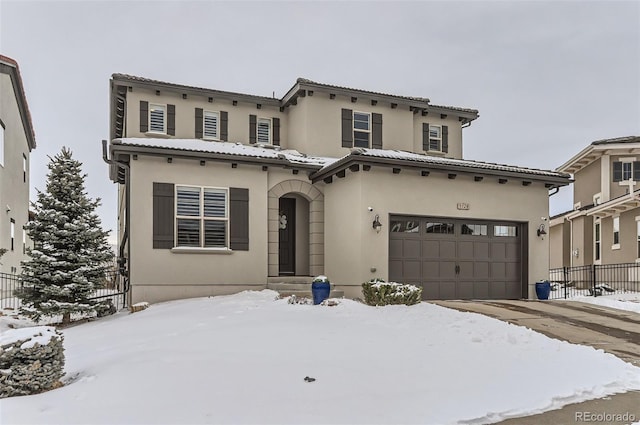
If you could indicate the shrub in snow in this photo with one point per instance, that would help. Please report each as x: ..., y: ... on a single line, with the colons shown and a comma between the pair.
x: 321, y: 279
x: 293, y: 299
x: 71, y: 253
x: 31, y: 360
x: 379, y: 292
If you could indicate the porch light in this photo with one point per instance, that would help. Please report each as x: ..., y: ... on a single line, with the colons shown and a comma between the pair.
x: 541, y: 231
x: 376, y: 223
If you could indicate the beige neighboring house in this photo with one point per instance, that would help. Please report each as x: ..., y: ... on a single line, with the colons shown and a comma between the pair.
x: 221, y: 192
x: 17, y: 140
x: 604, y: 225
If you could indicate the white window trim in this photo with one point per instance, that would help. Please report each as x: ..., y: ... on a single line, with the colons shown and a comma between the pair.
x: 368, y: 131
x: 439, y: 139
x: 164, y: 119
x: 204, y: 117
x: 202, y: 219
x: 626, y: 159
x: 615, y: 246
x: 270, y: 141
x: 597, y: 196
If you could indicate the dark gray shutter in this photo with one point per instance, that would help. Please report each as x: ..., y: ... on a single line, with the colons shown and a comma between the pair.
x: 636, y: 171
x: 445, y: 139
x: 163, y: 206
x: 239, y: 219
x: 224, y: 126
x: 252, y: 128
x: 617, y: 171
x: 144, y: 116
x: 276, y: 131
x: 425, y: 136
x: 347, y: 128
x: 376, y: 131
x: 199, y: 118
x: 171, y: 120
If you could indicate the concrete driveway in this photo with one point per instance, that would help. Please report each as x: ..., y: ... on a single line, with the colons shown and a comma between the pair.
x: 614, y: 331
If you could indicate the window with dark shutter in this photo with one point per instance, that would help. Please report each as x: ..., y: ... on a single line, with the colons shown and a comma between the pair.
x: 425, y: 136
x: 239, y: 213
x: 199, y: 125
x: 171, y: 120
x: 276, y: 131
x: 617, y: 171
x: 224, y: 126
x: 376, y: 131
x: 636, y: 171
x: 347, y: 128
x: 252, y: 128
x: 144, y: 116
x: 163, y: 206
x: 445, y: 139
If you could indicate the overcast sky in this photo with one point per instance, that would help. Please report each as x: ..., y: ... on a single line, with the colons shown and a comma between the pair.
x: 547, y: 77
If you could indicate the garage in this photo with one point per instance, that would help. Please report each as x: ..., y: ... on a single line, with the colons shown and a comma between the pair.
x: 453, y: 258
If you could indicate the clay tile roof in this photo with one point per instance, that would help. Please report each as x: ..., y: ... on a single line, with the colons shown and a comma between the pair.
x: 626, y: 139
x: 22, y: 100
x: 412, y: 98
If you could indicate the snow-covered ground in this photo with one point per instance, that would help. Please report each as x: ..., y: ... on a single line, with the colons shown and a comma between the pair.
x: 244, y: 359
x: 629, y: 301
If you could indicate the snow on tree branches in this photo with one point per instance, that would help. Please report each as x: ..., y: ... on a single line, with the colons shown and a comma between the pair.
x: 71, y: 253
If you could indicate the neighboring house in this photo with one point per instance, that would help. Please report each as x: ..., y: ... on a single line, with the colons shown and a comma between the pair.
x: 604, y: 225
x: 17, y: 140
x: 221, y: 192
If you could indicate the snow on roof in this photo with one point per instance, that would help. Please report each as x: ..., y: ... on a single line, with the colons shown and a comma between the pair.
x: 229, y: 148
x: 428, y: 159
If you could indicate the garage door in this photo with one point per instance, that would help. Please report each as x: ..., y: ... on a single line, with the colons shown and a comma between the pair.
x: 457, y: 258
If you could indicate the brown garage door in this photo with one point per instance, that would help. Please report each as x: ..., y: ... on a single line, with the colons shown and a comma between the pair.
x: 457, y: 258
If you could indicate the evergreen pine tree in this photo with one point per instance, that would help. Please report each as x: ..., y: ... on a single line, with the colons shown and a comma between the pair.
x: 71, y: 253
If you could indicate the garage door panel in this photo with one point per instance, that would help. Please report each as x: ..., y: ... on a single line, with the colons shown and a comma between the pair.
x: 431, y: 249
x: 481, y: 251
x: 447, y: 249
x: 465, y: 289
x: 512, y: 271
x: 481, y: 290
x: 513, y: 290
x: 411, y: 248
x: 498, y: 271
x: 465, y: 250
x: 395, y: 248
x: 498, y: 251
x: 447, y: 270
x: 395, y: 270
x: 430, y: 270
x: 512, y: 251
x: 448, y: 290
x: 497, y: 290
x: 430, y: 291
x: 412, y: 270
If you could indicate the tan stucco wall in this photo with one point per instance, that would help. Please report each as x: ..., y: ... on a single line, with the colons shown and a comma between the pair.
x: 559, y: 245
x: 354, y: 248
x: 627, y: 251
x: 587, y: 184
x: 14, y: 191
x: 238, y: 116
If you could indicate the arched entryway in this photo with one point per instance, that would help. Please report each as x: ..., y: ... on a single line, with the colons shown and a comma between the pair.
x: 300, y: 236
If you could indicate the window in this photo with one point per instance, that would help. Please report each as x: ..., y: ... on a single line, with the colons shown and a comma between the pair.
x: 24, y: 167
x: 626, y: 169
x: 210, y: 125
x: 474, y: 229
x: 13, y: 233
x: 157, y: 121
x: 505, y: 231
x: 616, y: 232
x: 638, y: 238
x: 440, y: 228
x: 361, y: 129
x: 405, y: 226
x: 201, y: 217
x: 264, y: 130
x: 597, y: 241
x: 435, y: 138
x: 24, y: 241
x: 1, y: 143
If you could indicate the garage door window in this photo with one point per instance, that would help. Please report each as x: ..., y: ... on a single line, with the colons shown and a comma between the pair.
x: 405, y: 226
x: 440, y: 228
x: 507, y: 231
x: 474, y: 229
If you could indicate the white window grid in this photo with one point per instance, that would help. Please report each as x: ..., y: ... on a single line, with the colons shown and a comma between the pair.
x: 616, y: 231
x: 435, y: 137
x: 361, y: 129
x: 264, y: 130
x: 211, y: 125
x: 200, y: 215
x: 157, y: 118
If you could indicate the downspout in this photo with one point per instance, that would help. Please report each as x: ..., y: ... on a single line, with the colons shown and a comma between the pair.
x: 127, y: 220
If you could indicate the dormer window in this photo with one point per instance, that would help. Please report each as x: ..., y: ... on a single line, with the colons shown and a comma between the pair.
x: 361, y: 129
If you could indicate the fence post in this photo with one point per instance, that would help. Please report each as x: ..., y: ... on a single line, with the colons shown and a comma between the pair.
x: 593, y: 279
x: 565, y: 281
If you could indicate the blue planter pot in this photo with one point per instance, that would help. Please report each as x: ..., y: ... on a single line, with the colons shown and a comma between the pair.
x: 320, y: 291
x: 543, y: 289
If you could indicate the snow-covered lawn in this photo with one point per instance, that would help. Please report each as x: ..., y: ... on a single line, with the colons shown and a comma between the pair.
x: 629, y: 301
x: 244, y: 359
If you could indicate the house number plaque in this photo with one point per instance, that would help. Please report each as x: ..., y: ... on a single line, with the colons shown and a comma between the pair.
x: 463, y: 206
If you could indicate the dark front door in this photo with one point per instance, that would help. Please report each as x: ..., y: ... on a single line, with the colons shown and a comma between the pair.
x: 287, y: 237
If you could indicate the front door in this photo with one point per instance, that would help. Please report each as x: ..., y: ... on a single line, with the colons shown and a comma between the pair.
x: 287, y: 237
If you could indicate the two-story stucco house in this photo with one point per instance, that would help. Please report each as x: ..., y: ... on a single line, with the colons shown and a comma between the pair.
x: 222, y: 192
x: 17, y: 140
x: 604, y: 225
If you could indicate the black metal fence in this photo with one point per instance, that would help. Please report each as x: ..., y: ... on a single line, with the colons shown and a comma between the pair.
x: 113, y: 288
x: 594, y: 280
